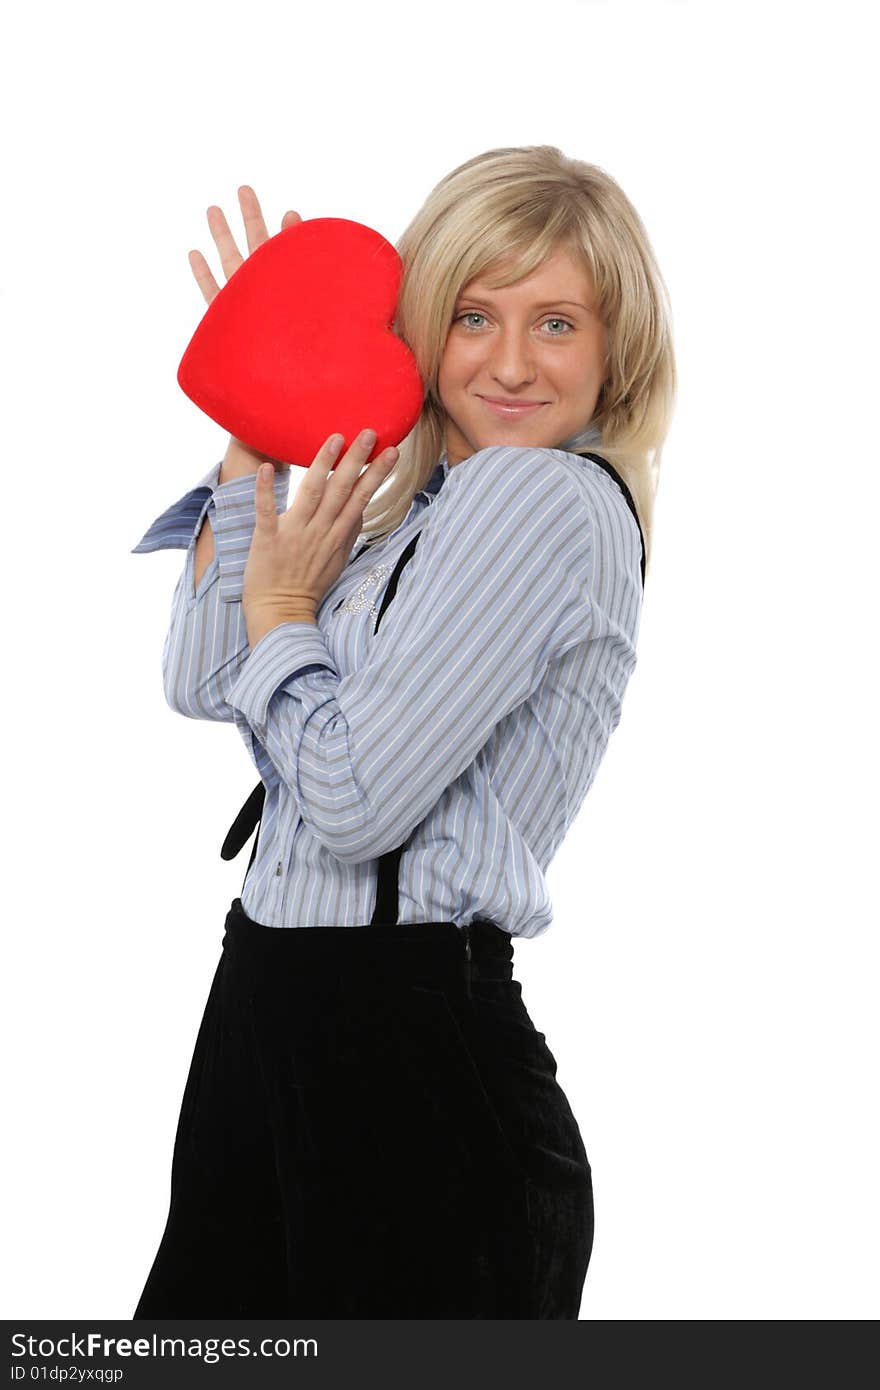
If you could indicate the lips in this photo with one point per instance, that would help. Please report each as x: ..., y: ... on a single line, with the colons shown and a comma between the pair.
x: 511, y: 410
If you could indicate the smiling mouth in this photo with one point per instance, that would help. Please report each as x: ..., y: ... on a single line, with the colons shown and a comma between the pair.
x: 511, y: 409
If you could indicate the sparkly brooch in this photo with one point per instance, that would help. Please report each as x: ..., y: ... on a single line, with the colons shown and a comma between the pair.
x: 358, y: 600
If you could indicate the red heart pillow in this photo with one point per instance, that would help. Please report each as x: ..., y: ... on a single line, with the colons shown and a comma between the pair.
x: 298, y: 344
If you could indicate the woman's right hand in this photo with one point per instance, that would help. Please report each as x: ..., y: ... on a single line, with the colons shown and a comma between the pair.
x: 239, y: 458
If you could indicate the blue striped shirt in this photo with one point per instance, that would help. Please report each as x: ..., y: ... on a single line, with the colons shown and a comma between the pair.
x: 479, y: 712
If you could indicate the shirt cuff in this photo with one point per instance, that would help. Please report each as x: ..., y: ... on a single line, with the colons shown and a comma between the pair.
x: 174, y: 528
x: 285, y: 651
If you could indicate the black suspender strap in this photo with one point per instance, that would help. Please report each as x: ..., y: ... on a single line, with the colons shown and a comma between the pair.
x: 243, y: 826
x: 603, y: 463
x: 387, y: 889
x: 391, y: 587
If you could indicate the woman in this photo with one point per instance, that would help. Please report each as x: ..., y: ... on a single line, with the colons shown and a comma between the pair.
x: 371, y: 1125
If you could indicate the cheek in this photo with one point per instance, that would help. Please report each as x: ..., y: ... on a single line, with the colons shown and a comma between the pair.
x: 585, y: 371
x: 460, y: 359
x: 452, y: 375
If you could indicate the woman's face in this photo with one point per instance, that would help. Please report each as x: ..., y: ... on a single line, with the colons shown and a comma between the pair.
x: 537, y: 340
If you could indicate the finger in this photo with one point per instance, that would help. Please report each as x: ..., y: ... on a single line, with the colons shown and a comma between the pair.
x: 204, y: 279
x: 313, y: 489
x: 347, y: 473
x: 351, y: 485
x: 351, y: 514
x: 230, y: 256
x: 290, y: 219
x: 323, y: 492
x: 255, y: 227
x: 318, y: 471
x: 264, y: 499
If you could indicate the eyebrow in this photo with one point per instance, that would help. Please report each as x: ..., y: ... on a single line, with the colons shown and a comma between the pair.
x: 553, y: 303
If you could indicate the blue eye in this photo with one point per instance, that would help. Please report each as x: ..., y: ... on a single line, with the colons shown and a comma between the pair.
x: 475, y: 313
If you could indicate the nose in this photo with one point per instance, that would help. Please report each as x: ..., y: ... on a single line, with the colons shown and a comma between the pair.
x: 511, y: 361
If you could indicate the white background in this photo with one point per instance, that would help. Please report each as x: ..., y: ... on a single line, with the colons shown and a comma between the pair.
x: 708, y: 985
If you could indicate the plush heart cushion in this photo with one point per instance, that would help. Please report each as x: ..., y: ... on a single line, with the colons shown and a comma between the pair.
x: 298, y: 344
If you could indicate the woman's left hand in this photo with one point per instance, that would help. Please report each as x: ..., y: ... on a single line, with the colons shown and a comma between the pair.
x: 295, y: 557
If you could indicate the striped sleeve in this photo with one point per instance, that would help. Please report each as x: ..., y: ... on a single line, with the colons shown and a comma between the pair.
x: 499, y: 587
x: 206, y: 641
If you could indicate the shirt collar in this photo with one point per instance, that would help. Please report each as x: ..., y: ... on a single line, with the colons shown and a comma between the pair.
x: 586, y: 438
x: 437, y: 478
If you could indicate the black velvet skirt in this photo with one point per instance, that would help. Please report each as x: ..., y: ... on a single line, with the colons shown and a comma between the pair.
x: 371, y: 1127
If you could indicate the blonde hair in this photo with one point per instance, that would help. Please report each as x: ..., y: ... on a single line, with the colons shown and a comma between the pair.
x: 519, y: 206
